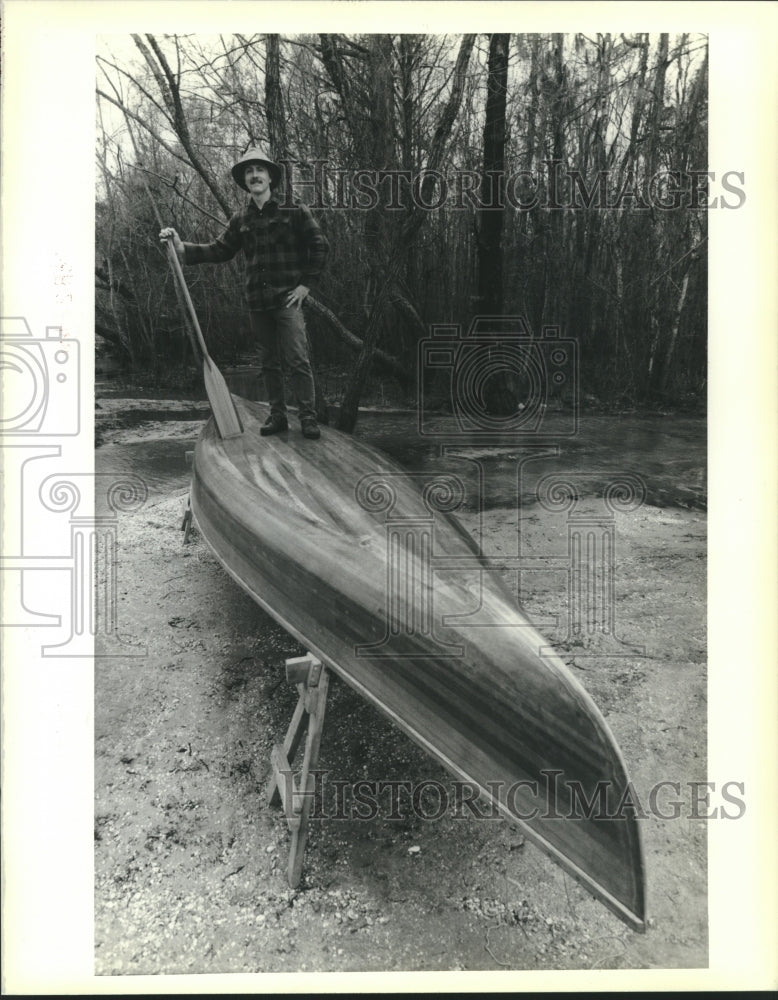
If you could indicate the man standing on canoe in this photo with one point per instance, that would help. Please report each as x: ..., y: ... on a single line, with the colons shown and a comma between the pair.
x: 284, y: 252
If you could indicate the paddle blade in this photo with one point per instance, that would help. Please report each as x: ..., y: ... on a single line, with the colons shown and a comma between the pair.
x: 222, y: 406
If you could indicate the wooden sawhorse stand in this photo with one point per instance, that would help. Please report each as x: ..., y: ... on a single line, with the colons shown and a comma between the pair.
x: 186, y: 524
x: 312, y: 680
x: 188, y: 521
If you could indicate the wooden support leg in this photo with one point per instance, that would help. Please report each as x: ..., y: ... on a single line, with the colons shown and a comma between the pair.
x: 186, y: 524
x: 296, y: 794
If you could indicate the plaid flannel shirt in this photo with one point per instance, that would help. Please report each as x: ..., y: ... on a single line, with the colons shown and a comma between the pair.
x: 282, y: 248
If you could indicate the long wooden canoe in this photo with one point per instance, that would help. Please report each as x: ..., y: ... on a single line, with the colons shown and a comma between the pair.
x: 369, y: 572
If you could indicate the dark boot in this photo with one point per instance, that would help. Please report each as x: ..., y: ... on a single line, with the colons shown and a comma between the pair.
x: 273, y: 425
x: 310, y: 428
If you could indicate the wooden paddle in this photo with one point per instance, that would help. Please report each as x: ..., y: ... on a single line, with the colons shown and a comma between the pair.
x: 222, y: 405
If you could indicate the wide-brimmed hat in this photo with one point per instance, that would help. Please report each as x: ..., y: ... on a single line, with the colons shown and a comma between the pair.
x: 255, y: 154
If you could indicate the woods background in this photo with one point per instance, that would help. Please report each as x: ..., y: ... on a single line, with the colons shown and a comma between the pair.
x: 585, y: 154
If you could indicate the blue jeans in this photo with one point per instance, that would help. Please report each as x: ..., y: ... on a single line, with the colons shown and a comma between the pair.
x: 282, y: 343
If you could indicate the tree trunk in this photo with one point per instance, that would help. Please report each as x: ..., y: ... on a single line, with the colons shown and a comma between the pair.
x: 170, y: 92
x: 407, y: 60
x: 381, y: 143
x: 388, y: 363
x: 499, y: 397
x: 274, y: 99
x: 657, y: 107
x: 668, y: 359
x: 491, y: 220
x: 347, y: 419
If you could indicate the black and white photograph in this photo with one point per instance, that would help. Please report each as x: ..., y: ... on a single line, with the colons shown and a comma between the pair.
x: 389, y: 498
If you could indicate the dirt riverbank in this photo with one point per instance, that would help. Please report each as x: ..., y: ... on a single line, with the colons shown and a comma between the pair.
x: 190, y: 860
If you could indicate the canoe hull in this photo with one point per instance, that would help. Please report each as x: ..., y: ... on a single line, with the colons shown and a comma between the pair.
x: 334, y: 541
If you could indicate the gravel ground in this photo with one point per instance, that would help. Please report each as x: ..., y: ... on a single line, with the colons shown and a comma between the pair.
x: 190, y: 859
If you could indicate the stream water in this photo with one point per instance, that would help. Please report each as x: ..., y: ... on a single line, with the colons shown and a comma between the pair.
x: 664, y: 455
